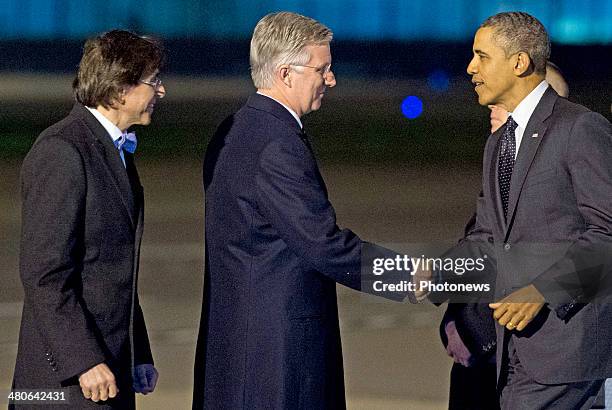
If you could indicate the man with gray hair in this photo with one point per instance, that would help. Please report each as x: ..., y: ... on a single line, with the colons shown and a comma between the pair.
x: 269, y: 335
x: 544, y: 217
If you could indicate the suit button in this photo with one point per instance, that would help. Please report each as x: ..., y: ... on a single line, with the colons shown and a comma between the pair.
x: 507, y: 246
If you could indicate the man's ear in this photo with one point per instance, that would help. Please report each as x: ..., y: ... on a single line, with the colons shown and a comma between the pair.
x: 119, y: 99
x: 283, y: 72
x: 522, y: 63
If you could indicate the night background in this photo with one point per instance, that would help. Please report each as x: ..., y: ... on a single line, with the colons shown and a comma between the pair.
x: 391, y: 179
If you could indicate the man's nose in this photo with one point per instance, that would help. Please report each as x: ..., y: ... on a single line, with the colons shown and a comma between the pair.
x: 161, y: 91
x: 472, y: 68
x: 330, y: 79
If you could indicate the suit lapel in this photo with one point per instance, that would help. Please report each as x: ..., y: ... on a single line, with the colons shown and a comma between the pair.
x: 110, y: 159
x: 264, y: 103
x: 134, y: 179
x: 306, y: 140
x: 532, y: 137
x: 493, y: 181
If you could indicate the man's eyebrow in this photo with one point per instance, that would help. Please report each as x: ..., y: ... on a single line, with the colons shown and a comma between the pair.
x: 480, y: 52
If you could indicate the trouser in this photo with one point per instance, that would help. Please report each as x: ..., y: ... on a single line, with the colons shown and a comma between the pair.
x: 473, y: 388
x: 519, y: 391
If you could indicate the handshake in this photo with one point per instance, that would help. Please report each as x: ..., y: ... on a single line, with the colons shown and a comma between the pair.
x: 421, y: 275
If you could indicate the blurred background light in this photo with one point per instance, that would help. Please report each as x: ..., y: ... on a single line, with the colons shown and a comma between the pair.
x: 412, y: 107
x: 569, y: 21
x: 438, y: 80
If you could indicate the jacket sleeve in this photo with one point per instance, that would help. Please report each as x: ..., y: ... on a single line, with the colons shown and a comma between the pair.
x: 477, y: 243
x: 290, y: 193
x: 474, y: 321
x: 54, y: 192
x: 142, y: 346
x: 585, y: 269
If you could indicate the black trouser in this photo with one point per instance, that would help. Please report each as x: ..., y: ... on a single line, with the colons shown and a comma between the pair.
x: 519, y: 391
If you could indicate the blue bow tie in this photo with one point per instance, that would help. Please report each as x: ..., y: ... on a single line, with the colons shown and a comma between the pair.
x: 126, y: 142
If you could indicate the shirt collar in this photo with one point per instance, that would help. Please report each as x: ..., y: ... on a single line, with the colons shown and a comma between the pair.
x: 114, y: 131
x: 297, y: 118
x: 523, y: 111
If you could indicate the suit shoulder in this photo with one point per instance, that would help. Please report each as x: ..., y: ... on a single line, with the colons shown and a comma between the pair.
x: 61, y: 143
x: 68, y: 129
x: 266, y: 123
x: 571, y: 117
x: 571, y: 111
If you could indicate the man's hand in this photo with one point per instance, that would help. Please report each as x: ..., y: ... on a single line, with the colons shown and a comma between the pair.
x: 144, y: 378
x: 516, y: 310
x: 421, y: 275
x: 455, y: 347
x: 98, y: 383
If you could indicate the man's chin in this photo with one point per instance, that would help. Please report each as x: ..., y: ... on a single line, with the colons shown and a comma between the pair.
x: 315, y: 105
x: 145, y: 118
x: 483, y: 100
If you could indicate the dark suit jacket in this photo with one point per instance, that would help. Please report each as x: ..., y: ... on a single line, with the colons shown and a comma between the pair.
x: 81, y: 229
x: 269, y: 335
x: 558, y: 237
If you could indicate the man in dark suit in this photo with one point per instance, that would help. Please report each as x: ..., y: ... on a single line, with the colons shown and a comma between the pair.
x: 82, y: 328
x: 544, y: 218
x: 468, y: 329
x: 269, y: 335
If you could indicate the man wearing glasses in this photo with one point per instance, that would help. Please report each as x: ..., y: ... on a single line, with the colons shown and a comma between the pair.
x: 269, y: 335
x: 82, y: 329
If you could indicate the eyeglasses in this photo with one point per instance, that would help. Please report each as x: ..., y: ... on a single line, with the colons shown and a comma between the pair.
x: 323, y: 71
x: 156, y: 83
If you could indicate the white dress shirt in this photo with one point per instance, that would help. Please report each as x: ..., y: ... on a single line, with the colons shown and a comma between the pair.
x: 114, y: 131
x: 522, y: 112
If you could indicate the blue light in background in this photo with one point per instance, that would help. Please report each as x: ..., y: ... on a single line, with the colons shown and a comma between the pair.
x: 568, y: 21
x: 412, y: 107
x: 438, y: 80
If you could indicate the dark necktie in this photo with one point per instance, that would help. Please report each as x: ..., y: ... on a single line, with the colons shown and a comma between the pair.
x: 506, y: 162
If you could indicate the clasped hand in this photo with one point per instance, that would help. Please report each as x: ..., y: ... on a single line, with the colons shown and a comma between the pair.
x: 421, y: 275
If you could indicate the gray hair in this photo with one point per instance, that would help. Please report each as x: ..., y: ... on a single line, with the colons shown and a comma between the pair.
x: 517, y: 31
x: 281, y: 38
